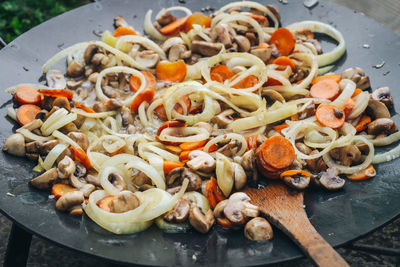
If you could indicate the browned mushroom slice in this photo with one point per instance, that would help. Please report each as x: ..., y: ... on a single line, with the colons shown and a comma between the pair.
x: 200, y: 221
x: 45, y: 180
x: 243, y: 43
x: 299, y: 180
x: 258, y: 229
x: 147, y: 58
x: 224, y: 118
x: 66, y: 167
x: 357, y: 75
x: 382, y: 126
x: 75, y: 69
x: 263, y: 53
x: 330, y: 179
x: 383, y: 94
x: 224, y: 34
x: 80, y: 138
x: 69, y: 200
x: 201, y: 161
x: 165, y: 18
x: 207, y: 49
x: 239, y: 209
x: 124, y: 201
x: 108, y: 105
x: 55, y: 79
x: 15, y: 145
x: 179, y: 213
x: 377, y: 109
x: 177, y: 175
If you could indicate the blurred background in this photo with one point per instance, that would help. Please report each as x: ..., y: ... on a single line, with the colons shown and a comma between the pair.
x: 18, y: 16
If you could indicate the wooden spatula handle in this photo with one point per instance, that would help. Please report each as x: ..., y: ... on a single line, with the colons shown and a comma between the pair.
x: 317, y: 248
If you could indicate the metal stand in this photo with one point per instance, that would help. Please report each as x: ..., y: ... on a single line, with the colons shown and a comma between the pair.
x: 17, y: 251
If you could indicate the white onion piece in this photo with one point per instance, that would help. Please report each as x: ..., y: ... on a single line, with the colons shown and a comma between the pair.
x: 80, y: 46
x: 238, y: 61
x: 387, y: 156
x: 127, y: 101
x: 29, y: 136
x: 199, y: 200
x: 243, y: 18
x: 386, y: 140
x: 348, y: 90
x: 110, y: 131
x: 59, y: 124
x: 157, y: 162
x: 206, y: 115
x: 254, y: 5
x: 226, y: 138
x: 65, y: 139
x: 186, y: 134
x: 310, y: 60
x: 324, y: 70
x: 150, y: 110
x: 187, y: 11
x: 354, y: 169
x: 97, y: 115
x: 97, y: 159
x: 224, y: 172
x: 12, y: 113
x: 264, y: 118
x: 53, y: 155
x: 316, y: 26
x: 144, y: 41
x: 163, y: 153
x: 104, y: 180
x: 150, y: 29
x: 112, y: 143
x: 361, y: 103
x: 142, y: 114
x: 53, y: 118
x: 298, y: 128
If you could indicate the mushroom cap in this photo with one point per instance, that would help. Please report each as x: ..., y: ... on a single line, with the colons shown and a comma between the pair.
x: 243, y: 42
x: 171, y: 42
x: 377, y: 109
x: 180, y: 212
x: 55, y: 79
x: 124, y: 201
x: 239, y: 209
x: 200, y: 221
x: 349, y: 154
x: 239, y: 175
x: 382, y: 126
x: 147, y: 58
x: 297, y: 182
x: 45, y: 180
x: 273, y: 95
x: 383, y: 94
x: 330, y: 179
x: 258, y: 229
x: 201, y: 161
x: 15, y: 145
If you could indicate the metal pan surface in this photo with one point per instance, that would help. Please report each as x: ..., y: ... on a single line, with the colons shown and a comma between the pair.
x: 339, y: 217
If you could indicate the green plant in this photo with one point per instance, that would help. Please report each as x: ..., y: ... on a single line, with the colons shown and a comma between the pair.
x: 18, y: 16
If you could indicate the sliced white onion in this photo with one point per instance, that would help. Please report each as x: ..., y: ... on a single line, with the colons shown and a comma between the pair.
x: 316, y: 26
x: 186, y: 134
x: 386, y: 140
x: 59, y: 124
x: 97, y: 115
x: 29, y: 136
x: 144, y: 41
x: 348, y: 90
x: 53, y: 118
x: 62, y: 137
x: 53, y: 155
x: 361, y: 103
x: 112, y: 143
x: 12, y: 113
x: 150, y: 29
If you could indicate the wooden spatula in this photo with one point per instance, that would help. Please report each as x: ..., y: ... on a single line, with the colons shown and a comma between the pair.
x: 284, y: 209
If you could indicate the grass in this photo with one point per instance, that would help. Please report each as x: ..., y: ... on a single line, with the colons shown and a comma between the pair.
x: 18, y: 16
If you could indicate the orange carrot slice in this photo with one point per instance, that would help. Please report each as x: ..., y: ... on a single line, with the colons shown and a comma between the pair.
x: 295, y: 172
x: 348, y: 106
x: 27, y: 95
x: 84, y: 108
x: 326, y: 89
x: 81, y: 156
x: 120, y: 31
x: 223, y: 71
x: 363, y: 123
x: 199, y: 19
x: 284, y: 61
x: 192, y: 145
x: 330, y: 116
x: 170, y: 165
x: 27, y: 113
x: 367, y: 173
x: 280, y: 127
x: 283, y: 40
x: 146, y: 95
x: 247, y: 82
x: 171, y: 71
x: 356, y: 92
x: 134, y: 81
x: 175, y: 26
x: 104, y: 203
x: 58, y: 190
x: 251, y: 142
x: 328, y: 76
x: 214, y: 195
x: 57, y: 93
x: 277, y: 152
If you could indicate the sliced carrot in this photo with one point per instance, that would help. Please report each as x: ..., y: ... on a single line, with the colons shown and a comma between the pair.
x: 277, y: 152
x: 171, y: 71
x: 58, y: 190
x: 57, y: 93
x: 216, y: 77
x: 283, y: 40
x: 251, y: 142
x: 367, y: 173
x: 284, y: 61
x: 223, y: 71
x: 213, y: 193
x: 348, y: 106
x: 326, y: 89
x: 192, y: 145
x: 195, y: 109
x: 328, y: 76
x: 174, y: 149
x: 256, y: 17
x: 104, y: 203
x: 120, y: 31
x: 309, y: 34
x: 363, y: 123
x: 170, y: 165
x: 271, y: 82
x: 295, y: 172
x: 146, y: 95
x: 224, y: 222
x: 119, y: 151
x: 330, y: 116
x: 356, y: 92
x: 280, y: 127
x: 81, y: 156
x: 27, y: 113
x: 175, y: 26
x: 27, y: 95
x: 265, y: 169
x: 169, y: 124
x: 247, y: 82
x: 134, y: 81
x: 199, y: 19
x: 212, y: 148
x: 84, y: 108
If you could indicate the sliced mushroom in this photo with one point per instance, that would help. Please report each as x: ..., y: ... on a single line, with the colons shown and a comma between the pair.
x: 330, y: 179
x: 178, y: 52
x: 89, y: 53
x: 15, y: 145
x: 258, y: 229
x: 77, y: 182
x: 110, y: 92
x: 316, y: 165
x: 314, y: 45
x: 223, y: 33
x: 357, y: 75
x: 200, y: 221
x: 201, y: 161
x: 349, y: 155
x: 297, y: 181
x: 249, y: 165
x: 239, y: 209
x: 170, y: 42
x: 75, y: 69
x: 72, y: 84
x: 377, y: 109
x: 45, y: 180
x: 93, y: 77
x: 263, y: 53
x: 62, y: 102
x: 273, y: 95
x: 243, y: 43
x: 239, y: 175
x: 383, y: 94
x: 87, y: 189
x: 119, y: 21
x: 219, y: 209
x: 141, y: 180
x: 224, y: 118
x: 98, y: 59
x: 66, y: 167
x: 124, y: 201
x: 274, y: 11
x: 93, y: 180
x: 80, y: 138
x: 76, y: 210
x: 117, y: 181
x: 147, y: 58
x: 108, y: 105
x: 230, y: 148
x: 166, y: 18
x: 70, y: 199
x: 55, y: 79
x: 382, y: 126
x: 207, y: 49
x: 179, y: 213
x: 303, y: 148
x: 177, y: 175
